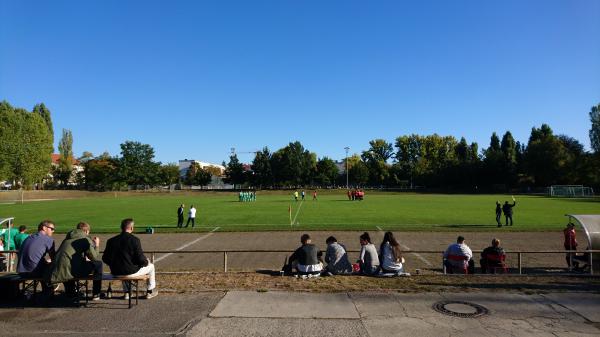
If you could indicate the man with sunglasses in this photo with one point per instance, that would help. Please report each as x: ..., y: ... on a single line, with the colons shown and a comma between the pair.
x: 37, y: 252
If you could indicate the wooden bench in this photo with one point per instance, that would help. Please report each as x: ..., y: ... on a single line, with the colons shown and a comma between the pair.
x: 80, y: 282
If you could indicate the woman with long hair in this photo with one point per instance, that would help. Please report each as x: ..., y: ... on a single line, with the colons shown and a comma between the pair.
x: 391, y: 254
x: 369, y: 261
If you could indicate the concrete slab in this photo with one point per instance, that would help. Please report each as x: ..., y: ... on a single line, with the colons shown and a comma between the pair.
x: 584, y: 304
x: 277, y: 304
x: 227, y: 327
x: 163, y: 314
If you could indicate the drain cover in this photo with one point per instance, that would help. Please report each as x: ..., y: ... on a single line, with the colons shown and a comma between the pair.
x: 460, y: 309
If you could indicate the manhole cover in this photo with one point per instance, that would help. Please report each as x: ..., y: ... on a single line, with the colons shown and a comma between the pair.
x: 460, y: 309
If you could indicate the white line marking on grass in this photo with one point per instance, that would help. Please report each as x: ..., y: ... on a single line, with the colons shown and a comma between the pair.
x: 297, y: 211
x: 419, y: 256
x: 187, y: 244
x: 405, y: 247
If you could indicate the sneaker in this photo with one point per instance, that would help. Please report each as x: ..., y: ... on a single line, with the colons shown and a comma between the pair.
x: 96, y: 297
x: 154, y: 293
x: 126, y: 296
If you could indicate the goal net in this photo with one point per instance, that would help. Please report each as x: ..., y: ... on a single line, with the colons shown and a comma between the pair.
x: 570, y: 191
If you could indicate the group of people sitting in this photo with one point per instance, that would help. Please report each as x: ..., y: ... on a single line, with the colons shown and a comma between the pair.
x: 458, y: 258
x: 308, y: 261
x: 79, y: 256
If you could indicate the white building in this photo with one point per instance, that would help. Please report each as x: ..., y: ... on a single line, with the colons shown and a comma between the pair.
x: 185, y: 164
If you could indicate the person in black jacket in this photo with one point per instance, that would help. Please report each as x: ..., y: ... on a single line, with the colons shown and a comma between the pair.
x: 508, y: 211
x: 180, y: 211
x: 308, y: 259
x: 124, y: 256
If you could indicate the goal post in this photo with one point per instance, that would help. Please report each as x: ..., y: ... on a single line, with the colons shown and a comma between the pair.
x: 570, y: 191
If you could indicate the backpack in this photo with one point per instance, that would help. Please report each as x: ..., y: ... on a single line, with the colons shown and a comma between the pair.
x: 287, y: 267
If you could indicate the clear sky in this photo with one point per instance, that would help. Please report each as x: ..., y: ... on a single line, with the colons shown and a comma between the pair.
x: 195, y: 78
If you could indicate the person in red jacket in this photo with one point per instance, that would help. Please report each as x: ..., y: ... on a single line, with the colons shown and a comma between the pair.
x: 570, y: 242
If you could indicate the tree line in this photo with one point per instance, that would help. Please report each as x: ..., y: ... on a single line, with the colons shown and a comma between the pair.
x: 432, y: 161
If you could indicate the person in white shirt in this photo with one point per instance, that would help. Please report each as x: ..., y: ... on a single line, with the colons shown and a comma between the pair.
x: 459, y: 249
x: 191, y: 216
x: 391, y: 255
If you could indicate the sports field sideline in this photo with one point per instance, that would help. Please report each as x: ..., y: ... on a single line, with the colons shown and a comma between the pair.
x: 271, y: 211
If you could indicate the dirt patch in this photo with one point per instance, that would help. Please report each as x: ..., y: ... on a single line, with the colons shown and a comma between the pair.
x: 263, y: 281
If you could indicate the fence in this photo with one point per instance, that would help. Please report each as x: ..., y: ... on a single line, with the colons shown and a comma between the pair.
x: 11, y: 264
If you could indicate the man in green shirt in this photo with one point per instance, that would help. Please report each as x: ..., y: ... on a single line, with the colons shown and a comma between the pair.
x: 20, y: 237
x: 9, y: 236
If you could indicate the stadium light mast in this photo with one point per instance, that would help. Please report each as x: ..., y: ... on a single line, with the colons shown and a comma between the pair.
x: 346, y: 148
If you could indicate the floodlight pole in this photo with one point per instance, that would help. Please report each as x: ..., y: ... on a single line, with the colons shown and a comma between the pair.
x: 346, y: 148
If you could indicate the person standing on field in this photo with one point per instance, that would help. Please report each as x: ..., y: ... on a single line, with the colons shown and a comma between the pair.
x: 508, y: 212
x: 499, y: 213
x: 180, y: 211
x: 191, y: 216
x: 570, y: 243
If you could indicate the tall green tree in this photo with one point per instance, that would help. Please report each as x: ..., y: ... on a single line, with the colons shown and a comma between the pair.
x: 44, y: 112
x: 100, y: 173
x: 197, y: 176
x: 327, y: 172
x: 293, y: 165
x: 169, y: 174
x: 261, y: 166
x: 359, y: 174
x: 64, y: 170
x: 380, y: 150
x: 137, y: 166
x: 234, y: 171
x: 508, y: 147
x: 493, y: 162
x: 546, y: 157
x: 376, y: 160
x: 595, y: 129
x: 25, y: 146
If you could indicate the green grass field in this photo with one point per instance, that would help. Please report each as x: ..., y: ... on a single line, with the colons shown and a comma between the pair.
x: 397, y: 211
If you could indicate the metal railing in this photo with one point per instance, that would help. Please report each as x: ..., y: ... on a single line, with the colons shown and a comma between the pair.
x: 226, y: 252
x: 11, y: 259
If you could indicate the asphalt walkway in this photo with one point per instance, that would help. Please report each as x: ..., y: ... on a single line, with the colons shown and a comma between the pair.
x: 274, y: 313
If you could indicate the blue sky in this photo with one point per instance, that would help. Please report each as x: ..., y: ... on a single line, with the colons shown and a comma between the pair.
x: 195, y: 78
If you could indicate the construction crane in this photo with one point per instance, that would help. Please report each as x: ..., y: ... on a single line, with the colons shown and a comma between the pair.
x: 234, y: 152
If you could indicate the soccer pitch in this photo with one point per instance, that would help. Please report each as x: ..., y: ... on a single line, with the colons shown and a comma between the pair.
x: 332, y: 211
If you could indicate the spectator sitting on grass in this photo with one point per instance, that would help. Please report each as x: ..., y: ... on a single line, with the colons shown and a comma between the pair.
x: 336, y: 258
x: 307, y: 258
x: 391, y: 255
x: 369, y: 260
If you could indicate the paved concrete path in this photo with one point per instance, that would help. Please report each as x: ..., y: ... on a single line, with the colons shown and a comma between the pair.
x: 393, y: 314
x: 273, y: 313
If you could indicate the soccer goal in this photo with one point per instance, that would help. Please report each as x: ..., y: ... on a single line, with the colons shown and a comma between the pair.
x: 570, y: 191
